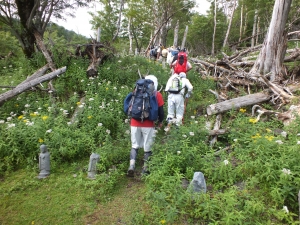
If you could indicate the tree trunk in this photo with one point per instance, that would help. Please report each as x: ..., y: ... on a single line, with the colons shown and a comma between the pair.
x: 42, y: 47
x: 241, y: 24
x: 254, y: 29
x: 215, y: 26
x: 271, y: 56
x: 175, y: 42
x: 229, y: 25
x: 27, y: 85
x: 184, y: 37
x: 119, y: 21
x: 163, y: 36
x: 246, y: 100
x: 130, y: 35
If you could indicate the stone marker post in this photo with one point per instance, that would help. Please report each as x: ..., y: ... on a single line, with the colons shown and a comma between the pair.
x: 44, y: 162
x: 92, y: 170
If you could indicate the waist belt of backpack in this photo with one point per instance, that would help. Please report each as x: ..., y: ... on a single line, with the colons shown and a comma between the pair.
x: 174, y: 92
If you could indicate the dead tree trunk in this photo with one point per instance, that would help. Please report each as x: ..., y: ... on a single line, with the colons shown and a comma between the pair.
x: 247, y: 100
x: 184, y: 37
x: 31, y: 83
x: 271, y: 56
x: 229, y: 24
x: 215, y: 26
x: 119, y: 21
x: 254, y: 29
x: 175, y: 42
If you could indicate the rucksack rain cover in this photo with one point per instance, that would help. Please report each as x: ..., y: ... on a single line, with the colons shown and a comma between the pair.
x: 180, y: 65
x: 142, y: 104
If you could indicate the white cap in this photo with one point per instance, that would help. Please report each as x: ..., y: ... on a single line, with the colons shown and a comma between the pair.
x: 182, y: 75
x: 154, y: 79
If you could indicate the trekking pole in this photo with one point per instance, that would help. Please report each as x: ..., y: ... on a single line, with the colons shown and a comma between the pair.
x: 185, y: 104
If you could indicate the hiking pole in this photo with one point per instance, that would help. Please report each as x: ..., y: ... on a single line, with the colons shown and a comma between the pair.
x: 185, y: 104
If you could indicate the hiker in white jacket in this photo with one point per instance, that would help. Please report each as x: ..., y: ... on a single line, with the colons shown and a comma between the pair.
x: 176, y: 86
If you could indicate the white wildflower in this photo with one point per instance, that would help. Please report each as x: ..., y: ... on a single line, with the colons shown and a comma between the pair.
x: 107, y: 131
x: 235, y: 140
x: 82, y: 80
x: 226, y: 162
x: 50, y: 91
x: 196, y: 121
x: 119, y: 61
x: 115, y: 88
x: 10, y: 125
x: 91, y: 78
x: 279, y: 142
x: 39, y: 108
x: 127, y: 132
x: 90, y: 107
x: 27, y: 106
x: 283, y: 134
x: 9, y: 118
x: 192, y: 134
x: 69, y: 123
x: 100, y: 124
x: 298, y: 142
x: 122, y: 87
x: 286, y: 171
x: 192, y: 117
x: 126, y: 121
x: 2, y: 121
x: 11, y: 113
x: 184, y: 136
x: 49, y: 109
x: 91, y: 99
x: 29, y: 123
x: 80, y: 106
x: 285, y: 209
x: 49, y: 131
x: 178, y: 152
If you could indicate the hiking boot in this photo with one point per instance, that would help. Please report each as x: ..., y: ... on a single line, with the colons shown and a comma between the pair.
x: 145, y: 172
x: 130, y: 171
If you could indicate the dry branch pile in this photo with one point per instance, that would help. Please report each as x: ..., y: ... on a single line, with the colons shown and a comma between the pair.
x: 232, y: 73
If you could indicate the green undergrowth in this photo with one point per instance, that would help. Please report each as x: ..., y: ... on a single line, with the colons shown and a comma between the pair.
x: 251, y: 172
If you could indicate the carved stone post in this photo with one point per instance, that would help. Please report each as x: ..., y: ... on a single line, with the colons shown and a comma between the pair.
x: 92, y: 170
x: 44, y: 162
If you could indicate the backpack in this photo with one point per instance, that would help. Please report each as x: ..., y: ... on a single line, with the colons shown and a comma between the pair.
x: 153, y: 52
x: 142, y: 104
x: 181, y: 63
x: 176, y: 86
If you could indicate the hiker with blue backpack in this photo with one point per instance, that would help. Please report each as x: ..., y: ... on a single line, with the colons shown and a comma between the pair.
x: 175, y: 87
x: 144, y: 106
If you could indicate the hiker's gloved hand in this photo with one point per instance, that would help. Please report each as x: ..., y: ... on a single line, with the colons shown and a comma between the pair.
x: 188, y: 95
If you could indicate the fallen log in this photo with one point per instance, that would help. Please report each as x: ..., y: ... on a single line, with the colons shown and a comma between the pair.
x: 237, y: 103
x: 246, y: 100
x: 31, y: 83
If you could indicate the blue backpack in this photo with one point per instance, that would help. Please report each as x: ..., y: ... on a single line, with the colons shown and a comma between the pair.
x: 141, y: 104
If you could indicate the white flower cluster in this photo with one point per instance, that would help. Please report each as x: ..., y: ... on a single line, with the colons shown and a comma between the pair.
x: 286, y: 171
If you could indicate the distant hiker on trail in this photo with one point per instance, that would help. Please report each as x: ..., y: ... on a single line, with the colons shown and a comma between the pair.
x: 181, y: 64
x: 144, y: 105
x: 176, y: 86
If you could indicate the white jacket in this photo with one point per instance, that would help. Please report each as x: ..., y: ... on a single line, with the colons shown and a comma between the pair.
x: 186, y: 84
